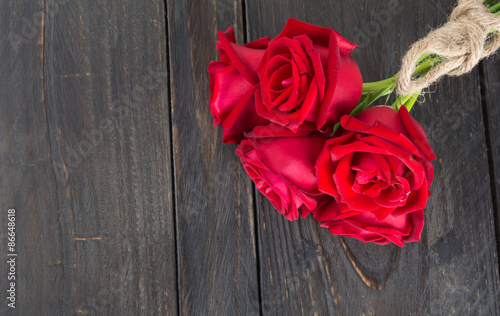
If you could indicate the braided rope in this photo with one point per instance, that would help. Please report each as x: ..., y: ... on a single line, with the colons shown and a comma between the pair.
x: 462, y: 42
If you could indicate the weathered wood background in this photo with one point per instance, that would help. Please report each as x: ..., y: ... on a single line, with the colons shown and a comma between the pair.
x: 128, y: 203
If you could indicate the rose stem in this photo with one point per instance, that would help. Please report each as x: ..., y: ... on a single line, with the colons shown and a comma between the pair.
x: 411, y: 102
x: 378, y: 85
x: 494, y: 8
x: 424, y: 64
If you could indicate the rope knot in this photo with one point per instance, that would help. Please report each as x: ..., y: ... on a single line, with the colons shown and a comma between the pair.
x: 462, y: 42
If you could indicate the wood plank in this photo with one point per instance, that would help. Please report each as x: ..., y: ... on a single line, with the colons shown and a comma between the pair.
x: 490, y: 95
x: 214, y: 207
x: 88, y: 164
x: 27, y: 182
x: 454, y: 269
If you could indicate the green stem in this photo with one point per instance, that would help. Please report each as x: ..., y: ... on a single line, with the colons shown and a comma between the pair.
x: 400, y: 101
x: 424, y: 56
x: 372, y: 91
x: 408, y: 101
x: 378, y: 85
x: 426, y: 65
x: 387, y: 92
x: 494, y: 8
x: 422, y: 66
x: 409, y: 104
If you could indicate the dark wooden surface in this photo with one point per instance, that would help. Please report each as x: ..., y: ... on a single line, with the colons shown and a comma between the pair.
x: 128, y: 203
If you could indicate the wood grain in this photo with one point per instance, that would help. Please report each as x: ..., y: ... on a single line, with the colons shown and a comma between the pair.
x: 214, y: 207
x: 454, y: 268
x: 88, y: 170
x: 27, y: 181
x: 490, y: 94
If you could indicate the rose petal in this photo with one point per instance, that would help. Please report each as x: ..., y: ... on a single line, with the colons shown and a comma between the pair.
x: 416, y: 200
x: 379, y: 129
x: 417, y: 134
x: 293, y: 158
x: 344, y: 181
x: 242, y: 119
x: 344, y: 84
x: 260, y: 43
x: 222, y: 99
x: 245, y: 59
x: 319, y: 35
x: 274, y: 130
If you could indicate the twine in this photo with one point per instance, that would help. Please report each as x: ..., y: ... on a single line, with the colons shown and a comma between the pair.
x: 462, y: 42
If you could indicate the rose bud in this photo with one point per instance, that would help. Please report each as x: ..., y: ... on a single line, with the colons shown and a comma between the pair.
x: 282, y: 169
x: 378, y: 172
x: 233, y: 83
x: 308, y: 78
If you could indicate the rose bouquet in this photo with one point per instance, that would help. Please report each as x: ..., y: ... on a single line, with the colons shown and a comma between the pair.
x: 313, y: 139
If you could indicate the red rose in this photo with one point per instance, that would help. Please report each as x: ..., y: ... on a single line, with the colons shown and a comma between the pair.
x: 308, y: 78
x: 378, y: 173
x: 282, y: 169
x: 233, y: 83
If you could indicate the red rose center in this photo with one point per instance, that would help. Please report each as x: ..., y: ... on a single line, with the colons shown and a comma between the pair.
x: 373, y: 185
x: 286, y: 76
x: 373, y: 178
